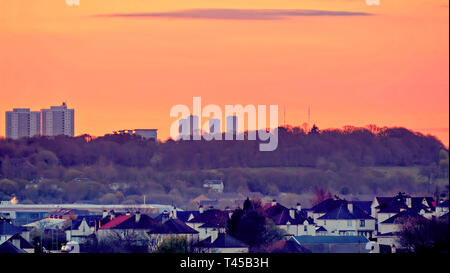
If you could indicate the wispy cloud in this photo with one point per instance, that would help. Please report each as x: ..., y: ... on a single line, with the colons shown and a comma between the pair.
x: 239, y: 14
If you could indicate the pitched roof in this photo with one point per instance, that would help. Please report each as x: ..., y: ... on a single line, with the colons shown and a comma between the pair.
x: 289, y: 246
x: 115, y: 221
x: 309, y: 239
x: 224, y: 240
x: 398, y: 202
x: 145, y: 222
x: 403, y: 214
x: 23, y: 243
x: 342, y: 212
x: 184, y: 215
x: 8, y: 247
x: 327, y: 205
x: 281, y: 215
x: 173, y: 226
x: 212, y: 217
x: 91, y: 220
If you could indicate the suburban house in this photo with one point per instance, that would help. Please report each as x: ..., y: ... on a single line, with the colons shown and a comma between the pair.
x: 388, y: 229
x: 83, y: 227
x: 342, y: 217
x: 294, y: 221
x: 347, y: 219
x: 223, y: 243
x: 335, y: 244
x: 183, y: 216
x: 214, y: 185
x: 384, y: 208
x: 171, y: 228
x: 210, y: 223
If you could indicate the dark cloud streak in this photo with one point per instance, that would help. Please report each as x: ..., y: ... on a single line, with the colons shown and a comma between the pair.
x: 238, y: 14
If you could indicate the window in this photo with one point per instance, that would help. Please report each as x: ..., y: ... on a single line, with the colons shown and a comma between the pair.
x: 349, y: 223
x: 305, y: 228
x: 362, y: 223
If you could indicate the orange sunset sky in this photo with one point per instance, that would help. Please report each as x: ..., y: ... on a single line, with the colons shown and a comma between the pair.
x: 122, y: 64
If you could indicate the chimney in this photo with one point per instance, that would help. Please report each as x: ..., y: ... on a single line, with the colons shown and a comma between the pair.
x: 292, y: 213
x: 112, y: 214
x: 104, y: 214
x: 174, y: 213
x: 350, y: 207
x: 200, y: 209
x: 128, y: 213
x: 138, y: 216
x: 402, y: 209
x: 408, y: 202
x: 165, y: 216
x: 274, y: 202
x: 299, y: 207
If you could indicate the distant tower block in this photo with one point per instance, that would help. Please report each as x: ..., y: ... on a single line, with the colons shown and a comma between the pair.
x: 58, y: 120
x: 21, y: 122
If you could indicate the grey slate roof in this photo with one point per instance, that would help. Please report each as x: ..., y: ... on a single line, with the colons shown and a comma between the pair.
x: 309, y: 239
x: 403, y: 214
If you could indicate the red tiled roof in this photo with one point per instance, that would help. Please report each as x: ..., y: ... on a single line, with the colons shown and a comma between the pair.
x: 116, y: 221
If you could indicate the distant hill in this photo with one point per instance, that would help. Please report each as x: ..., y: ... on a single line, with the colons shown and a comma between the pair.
x: 118, y: 168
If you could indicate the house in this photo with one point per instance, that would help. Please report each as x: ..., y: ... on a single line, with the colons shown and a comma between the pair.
x: 341, y: 217
x: 82, y: 227
x: 384, y: 208
x: 214, y: 185
x: 210, y: 222
x: 347, y: 219
x: 173, y: 227
x: 223, y: 243
x: 294, y: 221
x: 388, y: 230
x: 335, y: 244
x: 184, y: 216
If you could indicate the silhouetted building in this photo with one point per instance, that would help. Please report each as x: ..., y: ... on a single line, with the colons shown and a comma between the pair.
x: 58, y: 120
x: 21, y: 122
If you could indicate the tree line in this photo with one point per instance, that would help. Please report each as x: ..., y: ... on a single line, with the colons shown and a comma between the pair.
x: 121, y: 168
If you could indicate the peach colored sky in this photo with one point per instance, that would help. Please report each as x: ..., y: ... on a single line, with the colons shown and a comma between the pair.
x: 389, y: 68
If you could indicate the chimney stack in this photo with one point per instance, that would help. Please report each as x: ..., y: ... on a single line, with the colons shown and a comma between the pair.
x: 174, y: 213
x: 200, y: 209
x: 408, y: 202
x: 350, y: 207
x: 138, y: 216
x: 104, y: 214
x: 292, y: 213
x: 299, y: 207
x: 274, y: 202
